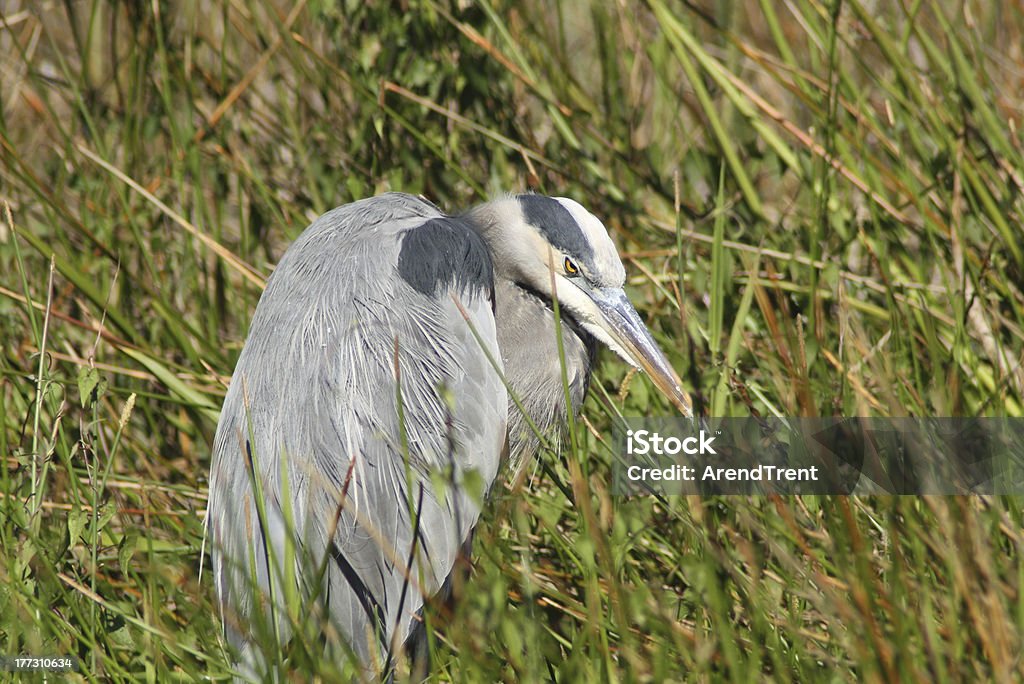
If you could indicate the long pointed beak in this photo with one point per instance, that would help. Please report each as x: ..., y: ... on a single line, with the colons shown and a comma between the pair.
x: 624, y: 325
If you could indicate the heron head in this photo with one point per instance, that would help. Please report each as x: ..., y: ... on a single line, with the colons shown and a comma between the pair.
x: 557, y: 248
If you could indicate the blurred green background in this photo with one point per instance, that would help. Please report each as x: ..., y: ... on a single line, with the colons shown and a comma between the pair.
x: 819, y: 206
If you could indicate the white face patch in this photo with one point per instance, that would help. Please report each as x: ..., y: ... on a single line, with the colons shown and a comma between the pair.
x: 524, y: 255
x: 610, y: 272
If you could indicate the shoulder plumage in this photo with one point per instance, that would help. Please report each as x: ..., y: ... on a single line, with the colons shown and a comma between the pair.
x: 445, y: 252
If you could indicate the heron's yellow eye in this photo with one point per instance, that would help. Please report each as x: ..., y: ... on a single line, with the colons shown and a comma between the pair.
x: 570, y: 267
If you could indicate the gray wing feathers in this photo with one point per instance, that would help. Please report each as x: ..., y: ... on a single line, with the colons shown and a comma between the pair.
x: 318, y: 369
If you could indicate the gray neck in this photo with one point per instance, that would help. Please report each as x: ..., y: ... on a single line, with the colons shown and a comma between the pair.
x: 529, y: 352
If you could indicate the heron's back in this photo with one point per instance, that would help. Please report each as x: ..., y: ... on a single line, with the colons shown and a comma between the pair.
x: 360, y: 319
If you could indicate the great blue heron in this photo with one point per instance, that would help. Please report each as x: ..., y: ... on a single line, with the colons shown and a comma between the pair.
x: 367, y: 415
